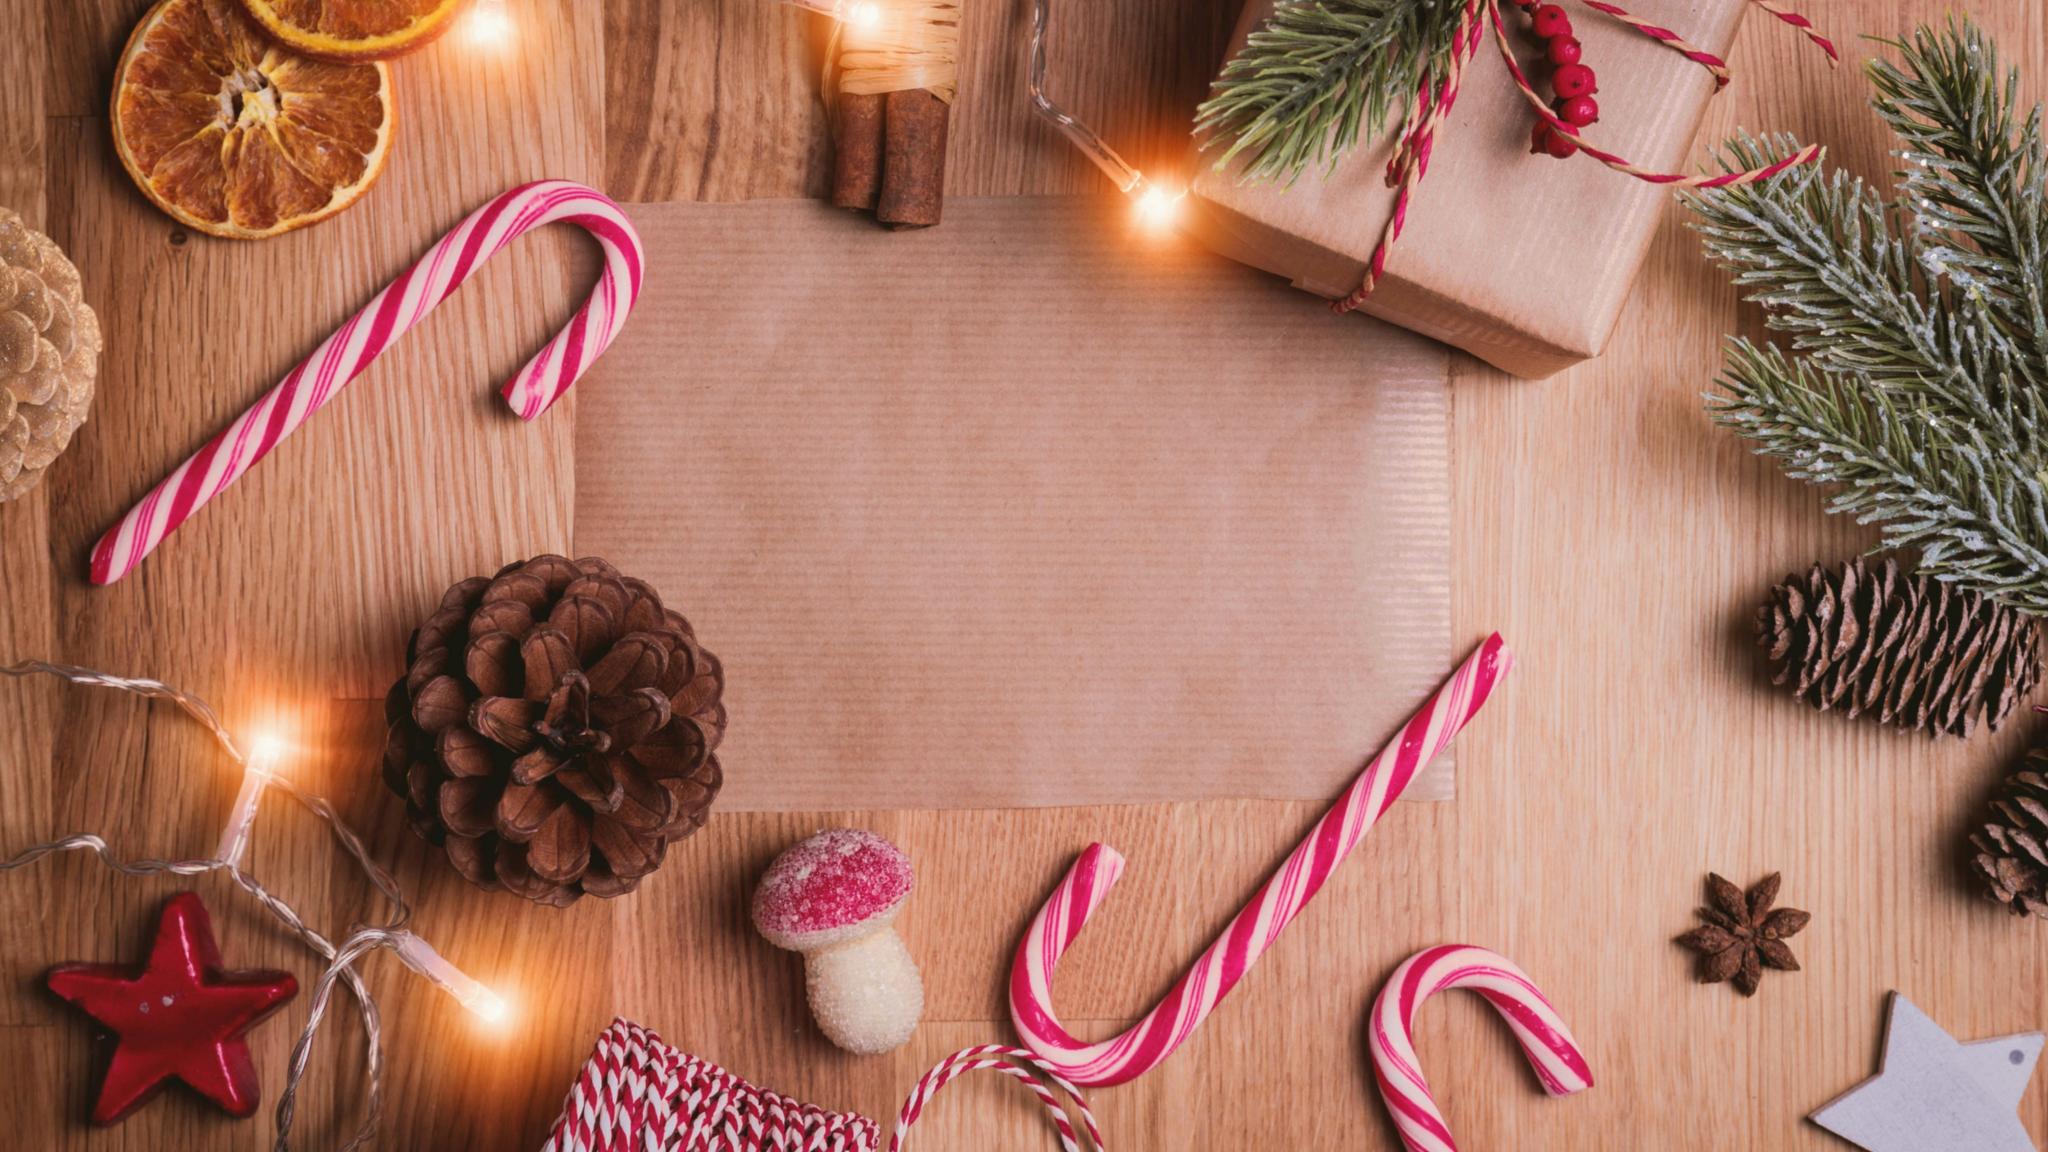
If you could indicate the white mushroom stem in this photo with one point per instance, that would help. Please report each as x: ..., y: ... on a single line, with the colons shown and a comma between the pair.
x: 865, y: 993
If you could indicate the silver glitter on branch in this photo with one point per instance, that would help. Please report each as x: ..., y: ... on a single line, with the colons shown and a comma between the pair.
x: 411, y: 950
x: 1910, y: 369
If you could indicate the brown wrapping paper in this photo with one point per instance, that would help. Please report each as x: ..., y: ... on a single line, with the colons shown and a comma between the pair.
x: 1521, y: 260
x: 1029, y: 510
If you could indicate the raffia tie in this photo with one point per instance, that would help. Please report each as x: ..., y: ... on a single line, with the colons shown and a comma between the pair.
x: 914, y: 44
x: 1410, y: 161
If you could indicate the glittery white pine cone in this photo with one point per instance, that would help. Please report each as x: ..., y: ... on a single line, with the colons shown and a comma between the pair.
x: 49, y: 354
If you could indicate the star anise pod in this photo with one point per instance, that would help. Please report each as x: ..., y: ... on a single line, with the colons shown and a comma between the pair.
x: 1743, y: 935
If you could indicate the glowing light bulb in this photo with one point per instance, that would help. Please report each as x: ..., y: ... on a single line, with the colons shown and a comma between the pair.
x: 489, y: 1007
x: 488, y: 25
x: 265, y: 751
x: 259, y: 768
x: 859, y: 15
x: 468, y: 991
x: 1156, y: 208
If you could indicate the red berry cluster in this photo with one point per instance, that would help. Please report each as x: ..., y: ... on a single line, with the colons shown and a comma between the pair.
x: 1573, y: 82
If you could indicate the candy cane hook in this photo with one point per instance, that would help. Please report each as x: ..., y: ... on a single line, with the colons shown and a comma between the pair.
x: 1548, y: 1044
x: 1256, y: 927
x: 403, y: 303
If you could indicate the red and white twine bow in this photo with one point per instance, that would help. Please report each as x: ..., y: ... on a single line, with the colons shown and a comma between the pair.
x: 1432, y: 105
x: 638, y: 1094
x: 1015, y: 1063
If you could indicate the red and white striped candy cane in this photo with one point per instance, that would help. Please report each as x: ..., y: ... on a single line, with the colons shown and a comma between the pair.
x: 1256, y: 927
x: 1545, y: 1040
x: 403, y: 303
x: 1015, y: 1063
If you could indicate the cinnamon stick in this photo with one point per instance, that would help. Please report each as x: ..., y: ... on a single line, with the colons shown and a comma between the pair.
x: 857, y: 150
x: 913, y: 159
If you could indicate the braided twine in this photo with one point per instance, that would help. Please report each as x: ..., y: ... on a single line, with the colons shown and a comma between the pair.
x: 639, y: 1094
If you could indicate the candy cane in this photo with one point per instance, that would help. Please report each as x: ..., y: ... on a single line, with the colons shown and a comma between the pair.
x: 1254, y: 929
x: 403, y: 303
x: 1545, y: 1040
x: 1014, y: 1063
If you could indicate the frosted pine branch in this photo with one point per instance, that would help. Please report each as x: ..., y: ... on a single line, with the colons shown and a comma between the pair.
x: 1934, y: 483
x: 1972, y: 175
x: 1321, y: 74
x: 1918, y: 343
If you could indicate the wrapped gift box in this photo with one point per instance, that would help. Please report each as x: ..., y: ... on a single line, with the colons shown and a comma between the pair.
x: 1522, y: 260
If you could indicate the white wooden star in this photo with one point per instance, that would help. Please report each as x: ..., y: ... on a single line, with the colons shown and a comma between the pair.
x: 1937, y: 1094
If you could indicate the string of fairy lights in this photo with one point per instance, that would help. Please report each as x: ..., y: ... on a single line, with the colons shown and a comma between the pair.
x: 261, y: 774
x: 489, y: 26
x: 1156, y: 206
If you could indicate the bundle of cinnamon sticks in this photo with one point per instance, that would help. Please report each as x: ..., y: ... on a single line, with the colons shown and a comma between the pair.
x: 895, y: 80
x: 890, y: 155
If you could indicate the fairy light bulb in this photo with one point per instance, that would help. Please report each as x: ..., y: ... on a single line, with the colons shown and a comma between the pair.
x: 265, y: 751
x: 488, y: 24
x: 857, y: 15
x: 468, y: 991
x: 1156, y: 208
x: 259, y: 767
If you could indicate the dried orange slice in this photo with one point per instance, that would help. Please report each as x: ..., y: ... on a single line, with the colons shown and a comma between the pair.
x: 236, y: 136
x: 356, y: 29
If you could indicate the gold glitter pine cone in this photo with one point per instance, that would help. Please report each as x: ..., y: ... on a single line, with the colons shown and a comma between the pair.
x: 49, y: 355
x: 555, y: 730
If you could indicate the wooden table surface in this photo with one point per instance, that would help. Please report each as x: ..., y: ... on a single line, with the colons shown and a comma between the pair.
x: 1616, y: 538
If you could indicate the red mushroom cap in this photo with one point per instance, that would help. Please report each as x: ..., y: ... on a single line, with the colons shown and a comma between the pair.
x: 833, y: 887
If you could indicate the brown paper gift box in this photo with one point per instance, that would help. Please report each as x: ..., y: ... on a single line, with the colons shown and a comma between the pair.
x: 1522, y: 260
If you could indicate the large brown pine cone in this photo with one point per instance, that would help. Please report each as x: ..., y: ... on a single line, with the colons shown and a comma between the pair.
x: 2010, y: 848
x: 49, y: 355
x: 1915, y: 651
x: 555, y: 729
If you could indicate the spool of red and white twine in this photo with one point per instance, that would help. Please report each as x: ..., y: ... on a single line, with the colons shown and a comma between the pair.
x: 403, y: 303
x: 639, y: 1094
x: 1256, y: 927
x: 1548, y: 1044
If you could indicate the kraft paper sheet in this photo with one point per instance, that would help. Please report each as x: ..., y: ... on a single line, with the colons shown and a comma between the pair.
x: 1030, y: 509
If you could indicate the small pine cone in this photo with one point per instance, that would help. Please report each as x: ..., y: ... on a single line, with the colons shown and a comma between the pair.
x: 1914, y: 651
x: 555, y: 730
x: 2011, y: 846
x: 49, y: 355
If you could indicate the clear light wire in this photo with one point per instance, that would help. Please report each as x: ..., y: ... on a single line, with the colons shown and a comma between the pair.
x: 340, y: 958
x: 1120, y: 172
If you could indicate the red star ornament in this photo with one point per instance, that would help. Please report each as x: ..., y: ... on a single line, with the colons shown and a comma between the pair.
x: 181, y: 1017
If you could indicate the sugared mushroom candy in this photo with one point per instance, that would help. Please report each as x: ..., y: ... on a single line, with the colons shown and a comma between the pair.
x: 835, y: 898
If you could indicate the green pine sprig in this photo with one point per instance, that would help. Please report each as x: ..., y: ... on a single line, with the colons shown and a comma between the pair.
x: 1319, y: 75
x: 1916, y: 329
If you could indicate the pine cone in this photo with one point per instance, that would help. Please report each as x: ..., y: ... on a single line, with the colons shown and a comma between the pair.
x: 49, y: 354
x: 2012, y: 844
x: 1915, y: 651
x: 555, y: 730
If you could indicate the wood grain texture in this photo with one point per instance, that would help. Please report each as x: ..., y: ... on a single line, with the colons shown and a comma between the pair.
x: 1616, y: 538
